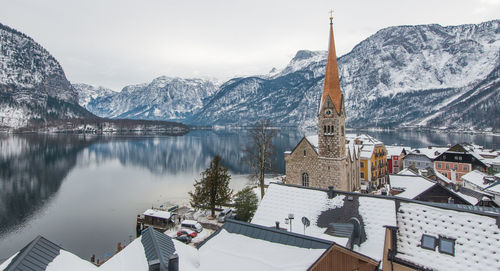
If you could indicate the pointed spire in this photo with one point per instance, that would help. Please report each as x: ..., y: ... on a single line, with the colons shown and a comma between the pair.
x: 332, y: 83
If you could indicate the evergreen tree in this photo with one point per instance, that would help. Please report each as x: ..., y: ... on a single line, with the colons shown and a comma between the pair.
x: 213, y: 188
x: 245, y: 203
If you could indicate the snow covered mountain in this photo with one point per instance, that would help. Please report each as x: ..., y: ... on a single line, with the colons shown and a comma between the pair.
x: 33, y: 85
x: 425, y: 75
x: 404, y: 75
x: 164, y: 98
x: 87, y: 92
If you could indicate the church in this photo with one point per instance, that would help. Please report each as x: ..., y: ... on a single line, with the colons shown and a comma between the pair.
x: 326, y: 159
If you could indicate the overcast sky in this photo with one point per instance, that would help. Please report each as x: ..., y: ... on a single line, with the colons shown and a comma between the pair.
x: 114, y: 43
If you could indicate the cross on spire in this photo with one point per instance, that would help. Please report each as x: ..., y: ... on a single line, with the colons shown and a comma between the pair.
x: 331, y: 16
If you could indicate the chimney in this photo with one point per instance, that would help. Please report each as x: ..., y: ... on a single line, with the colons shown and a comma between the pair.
x: 277, y: 225
x: 173, y: 262
x: 330, y: 192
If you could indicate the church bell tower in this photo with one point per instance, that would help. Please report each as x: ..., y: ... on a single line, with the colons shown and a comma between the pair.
x: 331, y: 115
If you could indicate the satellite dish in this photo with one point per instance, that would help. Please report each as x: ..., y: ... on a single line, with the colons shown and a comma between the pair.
x: 306, y: 221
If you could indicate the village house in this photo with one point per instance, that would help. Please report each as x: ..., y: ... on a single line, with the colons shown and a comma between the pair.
x: 326, y: 160
x: 422, y: 158
x: 421, y: 188
x: 395, y: 155
x: 372, y: 160
x: 458, y: 161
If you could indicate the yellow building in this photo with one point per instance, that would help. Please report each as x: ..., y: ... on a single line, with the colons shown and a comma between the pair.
x: 373, y: 160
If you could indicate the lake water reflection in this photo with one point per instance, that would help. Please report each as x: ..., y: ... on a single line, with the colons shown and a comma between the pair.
x: 84, y: 192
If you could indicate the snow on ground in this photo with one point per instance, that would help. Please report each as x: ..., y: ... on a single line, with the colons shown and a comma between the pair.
x: 280, y: 200
x: 228, y: 251
x: 68, y: 261
x: 376, y: 214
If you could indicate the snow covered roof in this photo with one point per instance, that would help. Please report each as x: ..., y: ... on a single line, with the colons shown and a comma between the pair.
x: 42, y: 254
x: 407, y: 171
x: 475, y: 237
x: 281, y: 200
x: 230, y: 251
x: 430, y: 152
x: 476, y: 177
x: 395, y: 150
x: 494, y: 188
x: 411, y: 185
x: 313, y: 139
x: 136, y: 255
x: 157, y: 213
x: 367, y: 151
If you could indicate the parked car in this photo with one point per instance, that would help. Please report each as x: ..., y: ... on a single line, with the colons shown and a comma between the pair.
x: 225, y: 214
x: 186, y: 239
x: 187, y: 232
x: 191, y: 225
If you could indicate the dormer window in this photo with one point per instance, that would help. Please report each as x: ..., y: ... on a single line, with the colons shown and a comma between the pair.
x: 428, y: 242
x: 447, y: 245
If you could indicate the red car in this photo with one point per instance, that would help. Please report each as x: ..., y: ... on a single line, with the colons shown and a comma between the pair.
x: 187, y: 232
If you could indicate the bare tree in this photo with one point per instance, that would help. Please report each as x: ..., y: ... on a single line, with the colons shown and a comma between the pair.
x: 259, y: 152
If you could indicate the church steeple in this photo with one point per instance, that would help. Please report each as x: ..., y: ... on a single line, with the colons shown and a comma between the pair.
x: 332, y: 83
x: 331, y: 115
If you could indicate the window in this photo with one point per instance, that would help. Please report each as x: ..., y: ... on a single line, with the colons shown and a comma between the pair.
x: 447, y: 245
x: 362, y: 175
x: 455, y: 167
x: 305, y: 179
x: 361, y: 164
x: 332, y: 129
x: 428, y: 242
x: 304, y: 152
x: 447, y: 166
x: 342, y: 130
x: 328, y: 128
x: 439, y: 165
x: 324, y: 129
x: 466, y: 167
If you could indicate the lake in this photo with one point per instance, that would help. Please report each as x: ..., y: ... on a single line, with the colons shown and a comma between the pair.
x: 84, y: 192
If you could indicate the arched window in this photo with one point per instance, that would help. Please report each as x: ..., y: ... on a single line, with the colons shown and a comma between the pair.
x: 305, y: 179
x: 332, y: 129
x: 328, y: 128
x: 324, y: 129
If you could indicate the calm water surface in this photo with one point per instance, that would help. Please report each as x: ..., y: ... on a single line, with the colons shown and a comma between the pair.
x: 84, y: 192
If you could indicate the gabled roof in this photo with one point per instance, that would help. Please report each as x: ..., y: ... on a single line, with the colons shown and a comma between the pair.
x: 244, y: 246
x: 314, y: 147
x: 395, y: 150
x: 35, y: 256
x: 272, y: 235
x: 411, y: 185
x: 157, y: 246
x: 476, y: 178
